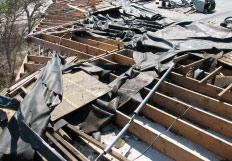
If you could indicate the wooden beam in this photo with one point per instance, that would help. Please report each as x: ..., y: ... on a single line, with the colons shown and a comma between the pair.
x: 43, y: 26
x: 13, y: 90
x: 190, y: 131
x: 63, y: 18
x: 98, y: 44
x: 38, y: 59
x: 121, y: 59
x: 50, y: 24
x: 56, y: 21
x: 74, y: 45
x: 70, y: 147
x: 211, y: 75
x: 60, y: 147
x: 41, y: 156
x: 24, y: 90
x: 196, y: 115
x: 65, y: 50
x: 96, y: 143
x: 105, y: 40
x: 76, y: 8
x: 164, y: 144
x: 206, y: 89
x: 21, y: 70
x: 186, y: 68
x: 126, y: 52
x: 32, y: 67
x: 64, y: 135
x: 225, y: 90
x: 179, y: 58
x: 197, y: 99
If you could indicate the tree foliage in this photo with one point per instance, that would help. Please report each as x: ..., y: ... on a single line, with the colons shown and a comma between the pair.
x: 31, y: 9
x: 17, y: 18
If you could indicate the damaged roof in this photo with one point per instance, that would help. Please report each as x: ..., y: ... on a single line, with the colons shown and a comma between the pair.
x: 98, y: 61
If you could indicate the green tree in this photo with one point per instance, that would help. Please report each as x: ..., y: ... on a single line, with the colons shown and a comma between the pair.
x: 17, y: 19
x: 31, y: 9
x: 11, y: 35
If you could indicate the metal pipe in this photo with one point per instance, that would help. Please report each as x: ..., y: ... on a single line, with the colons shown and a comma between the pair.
x: 121, y: 133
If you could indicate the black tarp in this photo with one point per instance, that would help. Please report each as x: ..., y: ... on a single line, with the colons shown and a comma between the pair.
x: 145, y: 30
x: 35, y: 111
x: 126, y: 23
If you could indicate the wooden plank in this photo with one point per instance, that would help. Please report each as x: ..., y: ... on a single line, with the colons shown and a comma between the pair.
x: 120, y: 59
x: 211, y: 75
x: 3, y: 92
x: 79, y: 89
x: 22, y: 82
x: 64, y: 135
x: 24, y: 90
x: 95, y: 43
x: 225, y: 90
x: 196, y: 115
x: 63, y: 18
x: 43, y: 26
x: 74, y: 45
x: 186, y: 68
x: 126, y: 52
x: 50, y: 24
x: 65, y: 50
x: 72, y: 149
x: 96, y: 143
x: 41, y: 157
x: 38, y: 59
x: 206, y: 89
x: 60, y: 147
x: 61, y: 33
x: 164, y: 144
x: 21, y: 70
x: 197, y: 99
x: 77, y: 8
x: 49, y: 29
x: 105, y: 40
x: 179, y: 58
x: 199, y: 116
x: 194, y: 133
x: 51, y: 21
x: 32, y: 67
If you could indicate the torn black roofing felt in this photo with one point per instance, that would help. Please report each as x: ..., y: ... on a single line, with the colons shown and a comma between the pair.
x: 34, y: 111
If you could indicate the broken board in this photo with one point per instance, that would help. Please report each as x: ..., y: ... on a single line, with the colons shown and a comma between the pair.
x: 78, y: 90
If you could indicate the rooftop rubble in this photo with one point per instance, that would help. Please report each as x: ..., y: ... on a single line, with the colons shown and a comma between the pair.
x: 96, y: 62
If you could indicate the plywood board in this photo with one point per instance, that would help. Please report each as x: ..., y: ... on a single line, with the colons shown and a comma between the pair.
x: 79, y: 89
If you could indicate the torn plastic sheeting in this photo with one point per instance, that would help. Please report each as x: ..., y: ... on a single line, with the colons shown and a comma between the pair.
x: 96, y: 119
x: 139, y: 76
x: 35, y: 111
x: 185, y: 36
x: 168, y: 36
x: 126, y: 23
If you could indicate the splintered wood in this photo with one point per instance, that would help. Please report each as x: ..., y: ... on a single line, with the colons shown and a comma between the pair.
x: 79, y: 89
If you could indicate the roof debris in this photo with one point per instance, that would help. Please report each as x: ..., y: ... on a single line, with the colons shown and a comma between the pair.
x: 99, y: 63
